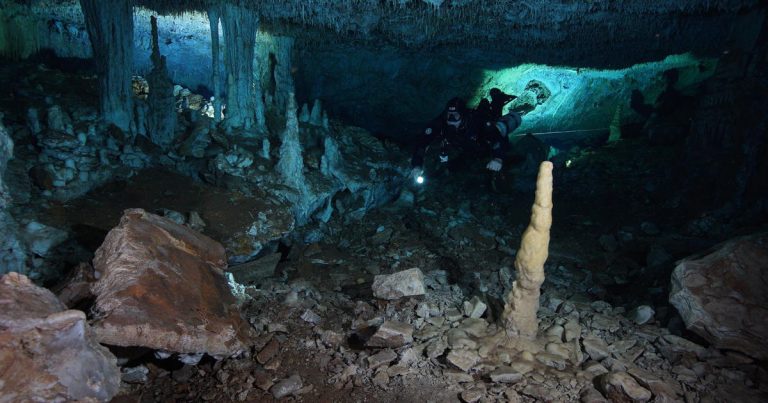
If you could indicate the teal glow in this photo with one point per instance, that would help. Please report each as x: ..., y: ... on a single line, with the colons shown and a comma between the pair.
x: 586, y: 99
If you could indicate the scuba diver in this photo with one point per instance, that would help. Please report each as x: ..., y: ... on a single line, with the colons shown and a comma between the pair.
x: 466, y: 135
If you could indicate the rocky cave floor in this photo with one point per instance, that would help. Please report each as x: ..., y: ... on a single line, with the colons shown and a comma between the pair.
x: 312, y: 315
x: 616, y: 234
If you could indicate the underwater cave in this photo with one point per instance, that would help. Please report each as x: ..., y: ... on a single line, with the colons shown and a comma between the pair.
x: 384, y: 200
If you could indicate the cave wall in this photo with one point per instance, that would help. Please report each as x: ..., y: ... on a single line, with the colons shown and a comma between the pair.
x: 375, y: 74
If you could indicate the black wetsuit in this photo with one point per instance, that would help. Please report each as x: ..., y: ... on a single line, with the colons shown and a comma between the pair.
x: 474, y: 136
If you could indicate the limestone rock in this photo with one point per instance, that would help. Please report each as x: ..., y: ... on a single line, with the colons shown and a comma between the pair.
x: 596, y: 348
x: 161, y: 285
x: 48, y: 353
x: 463, y: 359
x: 506, y: 375
x: 642, y: 314
x: 286, y: 387
x: 621, y: 387
x: 401, y: 284
x: 391, y: 334
x: 474, y: 308
x: 382, y: 358
x: 722, y: 298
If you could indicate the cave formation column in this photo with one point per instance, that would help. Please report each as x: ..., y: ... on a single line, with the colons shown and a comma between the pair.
x: 522, y: 302
x: 110, y: 29
x: 213, y: 18
x: 282, y: 74
x: 162, y: 104
x: 245, y: 108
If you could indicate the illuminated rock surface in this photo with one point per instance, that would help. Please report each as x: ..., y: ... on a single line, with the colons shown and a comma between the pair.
x: 49, y: 353
x: 161, y: 285
x: 722, y: 298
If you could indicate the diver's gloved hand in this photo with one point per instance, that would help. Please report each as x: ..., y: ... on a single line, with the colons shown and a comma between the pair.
x: 495, y: 165
x: 417, y: 173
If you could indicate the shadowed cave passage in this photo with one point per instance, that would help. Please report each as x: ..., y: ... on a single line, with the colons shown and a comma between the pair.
x: 412, y: 200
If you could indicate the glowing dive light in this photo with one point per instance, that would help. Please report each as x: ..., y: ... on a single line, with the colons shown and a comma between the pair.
x: 419, y: 179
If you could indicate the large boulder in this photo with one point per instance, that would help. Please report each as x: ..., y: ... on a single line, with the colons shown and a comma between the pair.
x: 48, y: 353
x: 161, y: 285
x: 722, y: 298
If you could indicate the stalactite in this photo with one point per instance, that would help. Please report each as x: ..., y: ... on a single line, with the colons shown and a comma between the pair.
x: 245, y: 108
x: 161, y: 119
x: 522, y: 302
x: 213, y: 18
x: 110, y: 28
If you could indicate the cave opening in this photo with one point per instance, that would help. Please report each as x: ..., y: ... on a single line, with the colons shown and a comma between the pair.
x: 411, y: 200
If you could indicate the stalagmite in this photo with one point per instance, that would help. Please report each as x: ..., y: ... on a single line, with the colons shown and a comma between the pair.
x: 316, y: 116
x: 110, y: 28
x: 522, y: 302
x: 245, y: 109
x: 161, y: 119
x: 291, y: 164
x: 304, y: 114
x: 213, y: 18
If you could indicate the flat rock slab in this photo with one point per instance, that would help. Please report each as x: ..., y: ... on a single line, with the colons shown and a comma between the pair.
x: 398, y: 285
x: 161, y: 285
x: 391, y: 334
x: 48, y: 353
x: 722, y: 298
x: 256, y: 270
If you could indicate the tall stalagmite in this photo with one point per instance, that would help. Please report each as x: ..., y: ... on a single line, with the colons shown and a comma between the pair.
x: 110, y: 28
x: 161, y: 119
x: 245, y: 109
x: 291, y: 164
x: 522, y: 302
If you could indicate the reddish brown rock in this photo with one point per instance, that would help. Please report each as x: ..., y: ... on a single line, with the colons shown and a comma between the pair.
x: 161, y: 285
x: 722, y: 298
x: 48, y: 353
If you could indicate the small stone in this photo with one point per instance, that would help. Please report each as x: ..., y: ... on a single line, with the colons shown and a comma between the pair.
x: 453, y: 314
x: 551, y: 360
x: 572, y: 330
x: 506, y: 375
x: 463, y: 359
x: 621, y: 387
x: 268, y: 352
x: 522, y: 366
x: 555, y: 332
x: 381, y: 379
x: 590, y: 395
x: 286, y: 387
x: 454, y: 376
x: 558, y: 349
x: 595, y: 368
x: 262, y: 380
x: 311, y: 317
x: 472, y: 395
x: 595, y: 348
x: 642, y: 314
x: 402, y: 284
x: 382, y: 358
x: 391, y: 334
x: 135, y: 374
x: 474, y: 308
